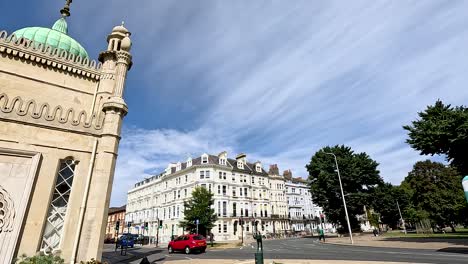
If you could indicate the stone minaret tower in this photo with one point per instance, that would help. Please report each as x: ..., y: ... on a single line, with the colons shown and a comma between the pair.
x: 116, y: 62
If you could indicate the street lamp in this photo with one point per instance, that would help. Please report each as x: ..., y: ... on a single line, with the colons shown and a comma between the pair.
x: 342, y: 195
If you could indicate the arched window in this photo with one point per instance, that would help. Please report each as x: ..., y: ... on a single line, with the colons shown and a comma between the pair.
x: 58, y: 206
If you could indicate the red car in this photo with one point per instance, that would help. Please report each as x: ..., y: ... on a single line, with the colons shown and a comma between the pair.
x: 187, y: 244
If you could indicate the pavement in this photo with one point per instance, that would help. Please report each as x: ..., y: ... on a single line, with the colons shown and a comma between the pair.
x: 295, y: 251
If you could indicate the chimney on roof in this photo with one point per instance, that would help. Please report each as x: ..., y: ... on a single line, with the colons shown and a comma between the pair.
x: 287, y: 174
x: 273, y: 169
x: 242, y: 157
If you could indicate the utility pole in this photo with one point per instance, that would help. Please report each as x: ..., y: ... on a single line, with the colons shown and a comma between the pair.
x: 342, y: 195
x: 401, y: 217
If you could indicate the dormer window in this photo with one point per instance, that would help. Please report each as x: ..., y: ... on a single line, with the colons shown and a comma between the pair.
x: 179, y: 166
x: 240, y: 165
x: 204, y: 159
x: 258, y: 168
x: 222, y: 161
x: 189, y: 162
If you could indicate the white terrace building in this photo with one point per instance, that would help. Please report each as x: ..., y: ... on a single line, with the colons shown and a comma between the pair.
x: 303, y: 213
x: 240, y: 189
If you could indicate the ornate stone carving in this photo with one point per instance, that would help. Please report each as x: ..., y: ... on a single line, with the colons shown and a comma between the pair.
x: 44, y: 111
x: 124, y: 57
x: 7, y: 211
x: 48, y: 56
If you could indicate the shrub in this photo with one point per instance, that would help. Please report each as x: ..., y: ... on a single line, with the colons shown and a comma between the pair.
x: 39, y: 259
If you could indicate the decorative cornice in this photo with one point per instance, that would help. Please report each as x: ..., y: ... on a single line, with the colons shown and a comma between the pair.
x: 115, y: 105
x: 31, y: 112
x: 48, y: 56
x: 125, y: 57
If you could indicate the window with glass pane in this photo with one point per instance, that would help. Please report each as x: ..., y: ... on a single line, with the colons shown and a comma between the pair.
x: 58, y: 207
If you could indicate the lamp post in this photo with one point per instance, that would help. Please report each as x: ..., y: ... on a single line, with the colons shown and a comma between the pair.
x: 401, y: 217
x: 342, y: 195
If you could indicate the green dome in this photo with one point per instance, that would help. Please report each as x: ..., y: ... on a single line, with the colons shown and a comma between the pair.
x: 56, y: 37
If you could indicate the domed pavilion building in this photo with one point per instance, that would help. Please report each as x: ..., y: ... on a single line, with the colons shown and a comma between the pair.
x: 60, y: 120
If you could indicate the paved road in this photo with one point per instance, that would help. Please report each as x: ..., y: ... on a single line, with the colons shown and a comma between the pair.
x: 309, y: 248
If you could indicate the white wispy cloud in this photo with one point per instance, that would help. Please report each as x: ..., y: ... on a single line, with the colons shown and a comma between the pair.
x: 281, y: 79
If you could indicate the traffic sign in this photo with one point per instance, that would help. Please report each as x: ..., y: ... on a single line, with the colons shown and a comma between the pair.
x: 197, y: 222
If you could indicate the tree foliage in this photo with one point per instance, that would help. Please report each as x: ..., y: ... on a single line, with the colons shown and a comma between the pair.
x: 359, y: 176
x: 384, y: 201
x: 436, y: 193
x: 442, y: 129
x: 199, y: 207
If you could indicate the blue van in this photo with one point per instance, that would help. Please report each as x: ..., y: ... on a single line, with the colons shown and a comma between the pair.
x: 126, y: 241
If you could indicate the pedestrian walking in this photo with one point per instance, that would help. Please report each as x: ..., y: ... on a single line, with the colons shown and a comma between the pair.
x: 211, y: 238
x: 375, y: 232
x: 321, y: 235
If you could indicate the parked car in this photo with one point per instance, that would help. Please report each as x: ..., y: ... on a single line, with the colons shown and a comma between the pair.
x: 187, y: 244
x: 109, y: 240
x: 126, y: 241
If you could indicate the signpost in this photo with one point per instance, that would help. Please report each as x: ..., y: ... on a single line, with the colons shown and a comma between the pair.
x: 197, y: 222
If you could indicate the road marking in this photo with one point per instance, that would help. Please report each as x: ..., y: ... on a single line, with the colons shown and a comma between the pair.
x: 245, y: 262
x: 189, y: 258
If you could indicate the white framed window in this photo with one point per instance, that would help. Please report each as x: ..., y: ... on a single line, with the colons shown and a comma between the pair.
x: 224, y: 208
x: 202, y: 175
x: 258, y: 168
x: 240, y: 165
x: 189, y: 162
x: 222, y: 161
x: 207, y: 174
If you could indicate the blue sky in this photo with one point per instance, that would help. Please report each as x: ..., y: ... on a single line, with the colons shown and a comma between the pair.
x: 277, y: 80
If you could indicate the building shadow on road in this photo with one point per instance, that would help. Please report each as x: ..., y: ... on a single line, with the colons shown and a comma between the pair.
x: 459, y: 250
x: 132, y: 255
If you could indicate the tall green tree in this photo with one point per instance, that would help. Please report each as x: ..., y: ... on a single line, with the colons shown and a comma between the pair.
x: 359, y: 176
x: 384, y: 201
x: 199, y: 207
x: 436, y: 192
x: 442, y: 129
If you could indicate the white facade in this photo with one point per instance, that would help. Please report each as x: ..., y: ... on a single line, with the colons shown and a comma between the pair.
x: 241, y: 190
x: 303, y: 213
